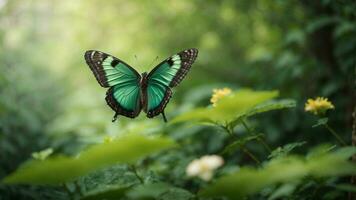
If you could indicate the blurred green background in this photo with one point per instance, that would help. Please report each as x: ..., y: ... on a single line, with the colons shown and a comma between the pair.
x: 50, y: 98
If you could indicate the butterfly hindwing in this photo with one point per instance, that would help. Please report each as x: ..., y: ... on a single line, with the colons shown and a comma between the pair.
x: 157, y: 98
x: 124, y: 99
x: 123, y: 95
x: 164, y: 76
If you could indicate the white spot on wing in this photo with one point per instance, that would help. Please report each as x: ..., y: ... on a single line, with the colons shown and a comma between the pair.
x: 175, y: 57
x: 92, y: 54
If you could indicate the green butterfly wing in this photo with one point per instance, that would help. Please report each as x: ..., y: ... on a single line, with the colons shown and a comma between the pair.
x: 164, y: 76
x: 123, y: 95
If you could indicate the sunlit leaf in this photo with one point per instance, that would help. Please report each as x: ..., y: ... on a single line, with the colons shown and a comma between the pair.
x: 228, y: 108
x: 61, y: 169
x: 287, y: 169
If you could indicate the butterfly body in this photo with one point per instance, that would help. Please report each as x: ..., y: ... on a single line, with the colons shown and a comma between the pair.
x: 130, y: 92
x: 144, y: 91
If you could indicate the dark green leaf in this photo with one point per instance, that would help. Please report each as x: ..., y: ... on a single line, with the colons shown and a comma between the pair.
x: 148, y: 191
x: 107, y: 193
x: 286, y: 149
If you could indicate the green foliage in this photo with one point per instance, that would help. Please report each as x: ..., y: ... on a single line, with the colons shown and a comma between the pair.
x: 158, y: 191
x: 285, y: 150
x: 229, y: 108
x: 271, y: 105
x: 49, y: 99
x: 110, y: 182
x: 61, y: 169
x: 113, y: 192
x: 288, y: 169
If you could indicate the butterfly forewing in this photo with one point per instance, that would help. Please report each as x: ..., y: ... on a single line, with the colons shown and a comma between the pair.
x: 124, y: 82
x: 165, y: 75
x: 108, y: 70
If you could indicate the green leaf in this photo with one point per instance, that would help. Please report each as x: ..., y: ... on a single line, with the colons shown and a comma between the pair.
x: 282, y: 191
x: 177, y: 194
x: 148, y: 191
x: 61, y: 169
x: 107, y: 193
x: 108, y: 183
x: 265, y: 107
x: 286, y: 149
x: 228, y: 108
x: 288, y: 169
x: 158, y: 191
x: 320, y: 150
x: 321, y: 122
x: 271, y: 105
x: 240, y: 142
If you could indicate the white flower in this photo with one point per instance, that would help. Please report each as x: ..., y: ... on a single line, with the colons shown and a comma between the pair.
x: 204, y: 166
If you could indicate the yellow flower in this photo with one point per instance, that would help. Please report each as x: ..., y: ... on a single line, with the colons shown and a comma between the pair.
x: 219, y: 94
x: 318, y: 106
x: 204, y: 167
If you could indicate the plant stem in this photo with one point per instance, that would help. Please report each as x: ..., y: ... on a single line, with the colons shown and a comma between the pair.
x: 332, y: 131
x: 258, y: 138
x: 244, y: 149
x: 133, y: 169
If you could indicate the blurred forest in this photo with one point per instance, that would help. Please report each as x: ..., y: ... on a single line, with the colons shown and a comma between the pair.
x: 50, y: 98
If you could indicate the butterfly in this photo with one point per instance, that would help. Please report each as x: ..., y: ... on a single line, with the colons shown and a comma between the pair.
x: 130, y: 92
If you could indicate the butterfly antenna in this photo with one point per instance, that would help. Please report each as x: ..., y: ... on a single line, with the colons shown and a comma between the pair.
x: 164, y: 117
x: 115, y: 117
